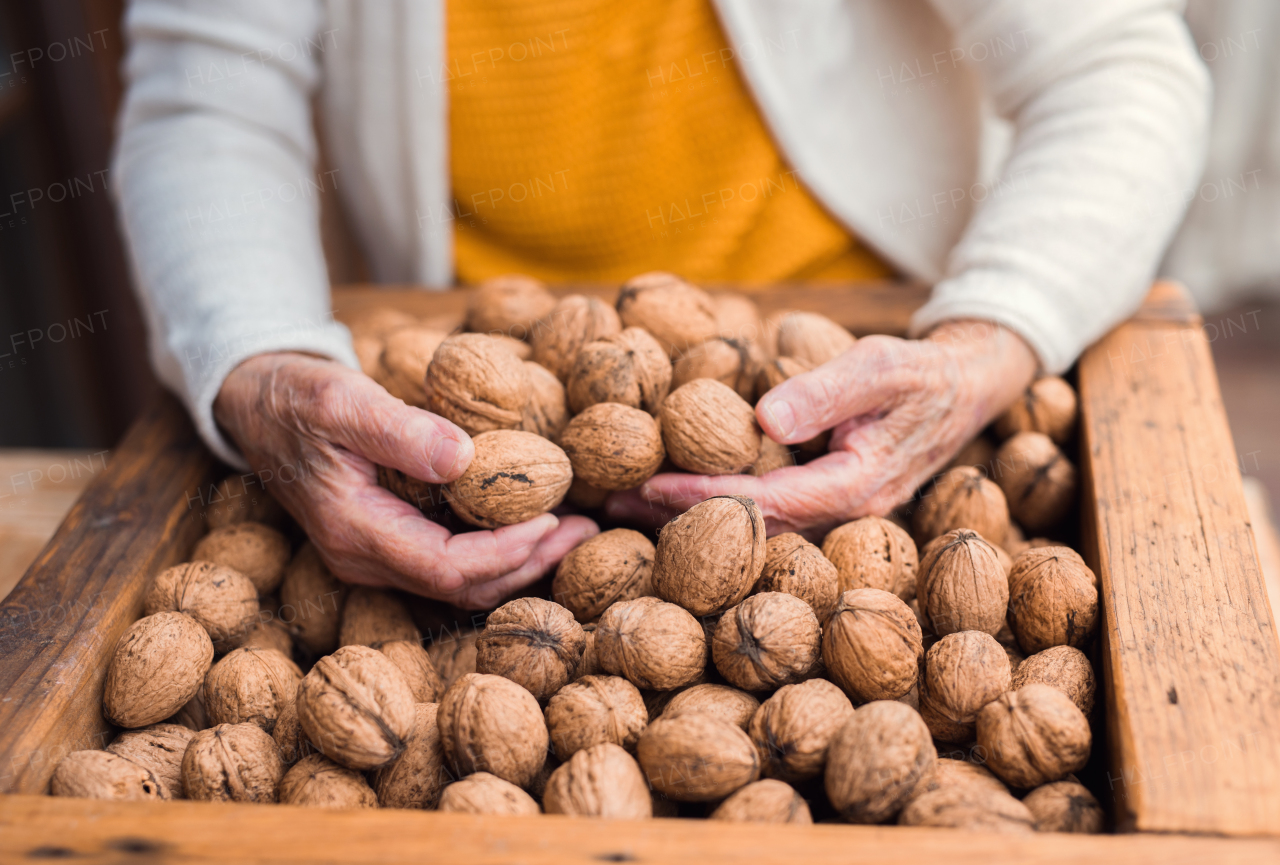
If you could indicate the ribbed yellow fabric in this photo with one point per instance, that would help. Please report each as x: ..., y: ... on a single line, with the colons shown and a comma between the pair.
x: 593, y: 140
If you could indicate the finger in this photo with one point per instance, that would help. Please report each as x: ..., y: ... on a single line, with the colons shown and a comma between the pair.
x: 572, y: 531
x: 628, y: 506
x: 679, y: 492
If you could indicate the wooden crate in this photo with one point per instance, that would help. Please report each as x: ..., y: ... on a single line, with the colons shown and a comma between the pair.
x: 1190, y: 672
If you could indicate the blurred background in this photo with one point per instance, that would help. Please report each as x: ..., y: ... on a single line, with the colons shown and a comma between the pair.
x: 73, y: 368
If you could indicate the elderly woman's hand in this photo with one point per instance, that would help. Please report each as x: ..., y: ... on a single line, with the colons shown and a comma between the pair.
x: 898, y: 411
x: 332, y: 425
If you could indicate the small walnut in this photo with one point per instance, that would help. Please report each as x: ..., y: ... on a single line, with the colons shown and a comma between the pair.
x: 961, y: 584
x: 237, y: 500
x: 1065, y: 806
x: 963, y: 672
x: 812, y: 338
x: 158, y: 665
x: 1038, y: 481
x: 192, y: 715
x: 972, y: 807
x: 876, y: 760
x: 535, y: 643
x: 545, y: 412
x: 1009, y: 643
x: 288, y: 735
x: 311, y: 601
x: 515, y: 476
x: 616, y: 565
x: 222, y: 600
x: 477, y: 383
x: 482, y: 793
x: 772, y: 457
x: 613, y: 447
x: 104, y: 775
x: 797, y: 567
x: 232, y: 763
x: 709, y: 557
x: 257, y: 551
x: 454, y: 655
x: 775, y: 371
x: 158, y: 749
x: 1065, y: 668
x: 491, y: 724
x: 709, y: 429
x: 574, y: 321
x: 1034, y: 735
x: 767, y: 641
x: 962, y: 498
x: 873, y: 553
x: 1048, y: 406
x: 593, y: 710
x: 732, y: 362
x: 375, y: 616
x: 600, y: 781
x: 1053, y: 599
x: 767, y: 801
x: 652, y: 644
x: 379, y: 321
x: 509, y: 305
x: 629, y: 368
x: 729, y: 704
x: 738, y: 316
x: 947, y: 772
x: 696, y: 757
x: 406, y: 353
x: 250, y: 686
x: 979, y: 453
x: 793, y: 729
x: 416, y: 777
x: 315, y: 781
x: 419, y: 673
x: 356, y: 707
x: 872, y: 645
x: 678, y: 314
x: 268, y: 631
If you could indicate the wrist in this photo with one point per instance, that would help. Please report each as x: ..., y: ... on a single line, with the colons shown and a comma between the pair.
x: 997, y: 362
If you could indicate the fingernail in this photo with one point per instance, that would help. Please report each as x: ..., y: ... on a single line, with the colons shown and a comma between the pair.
x: 444, y: 456
x: 781, y: 416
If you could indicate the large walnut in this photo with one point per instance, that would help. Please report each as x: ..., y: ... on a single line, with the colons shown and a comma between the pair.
x: 767, y: 801
x: 255, y: 550
x: 875, y: 761
x: 972, y: 807
x: 812, y: 338
x: 963, y: 672
x: 545, y: 412
x: 1065, y: 668
x: 105, y: 775
x: 158, y: 749
x: 593, y: 710
x: 250, y: 686
x: 730, y: 704
x: 731, y: 362
x: 375, y: 616
x: 514, y: 476
x: 1034, y: 735
x: 406, y: 354
x: 1038, y: 481
x: 1065, y: 806
x: 709, y: 557
x: 652, y: 644
x: 872, y: 645
x: 535, y: 643
x: 600, y: 781
x: 158, y: 665
x: 1053, y: 599
x: 315, y: 781
x: 509, y: 305
x: 222, y: 600
x: 483, y: 793
x: 708, y: 429
x: 491, y: 724
x: 477, y: 383
x: 962, y: 498
x: 767, y: 641
x: 613, y: 446
x: 629, y: 368
x: 616, y: 565
x: 232, y: 763
x: 1048, y: 406
x: 873, y: 553
x: 797, y: 567
x: 574, y: 321
x: 678, y: 314
x: 961, y: 584
x: 416, y: 777
x: 696, y: 757
x: 419, y: 673
x: 793, y: 729
x: 311, y: 600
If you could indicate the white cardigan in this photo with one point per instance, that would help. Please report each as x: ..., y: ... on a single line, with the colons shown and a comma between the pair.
x: 878, y: 104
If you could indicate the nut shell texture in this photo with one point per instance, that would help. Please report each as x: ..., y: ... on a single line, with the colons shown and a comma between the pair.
x: 678, y: 314
x: 416, y: 777
x: 483, y: 793
x: 963, y: 498
x: 375, y: 616
x: 1038, y: 481
x: 733, y: 362
x: 594, y: 710
x: 414, y: 662
x: 875, y: 761
x: 509, y: 305
x: 709, y: 557
x: 872, y: 645
x: 630, y: 368
x: 406, y: 354
x: 767, y: 801
x: 159, y: 749
x: 222, y: 600
x: 232, y: 763
x: 515, y: 476
x: 730, y: 704
x: 962, y: 584
x: 1034, y: 735
x: 768, y: 640
x: 250, y: 686
x: 574, y: 321
x: 613, y: 447
x: 535, y: 643
x: 873, y: 553
x: 697, y: 757
x: 257, y: 551
x: 1065, y: 806
x: 158, y: 665
x: 708, y: 429
x: 652, y: 644
x: 1053, y: 599
x: 797, y: 567
x: 490, y: 724
x: 545, y: 413
x: 1048, y: 406
x: 963, y: 672
x: 315, y: 781
x: 600, y: 781
x: 977, y: 809
x: 616, y: 565
x: 103, y: 775
x: 812, y: 338
x: 477, y: 383
x: 1065, y: 668
x: 793, y: 729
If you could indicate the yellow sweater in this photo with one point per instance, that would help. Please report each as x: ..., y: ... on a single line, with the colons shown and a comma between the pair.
x: 592, y: 141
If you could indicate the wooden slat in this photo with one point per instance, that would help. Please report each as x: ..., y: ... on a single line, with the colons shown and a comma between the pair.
x: 63, y: 618
x: 1191, y: 657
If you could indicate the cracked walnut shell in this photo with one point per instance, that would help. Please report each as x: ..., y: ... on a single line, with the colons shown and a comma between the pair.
x: 767, y: 641
x: 224, y: 601
x: 250, y: 686
x: 613, y: 446
x: 232, y: 763
x: 961, y: 584
x: 158, y: 665
x: 793, y: 728
x: 477, y: 383
x: 697, y: 757
x: 615, y: 565
x: 652, y: 644
x: 535, y: 643
x: 873, y: 553
x: 679, y: 315
x: 797, y: 567
x: 514, y: 476
x: 876, y: 760
x: 490, y: 724
x: 255, y: 550
x: 872, y: 645
x: 710, y: 430
x: 709, y: 557
x: 629, y: 368
x: 600, y: 781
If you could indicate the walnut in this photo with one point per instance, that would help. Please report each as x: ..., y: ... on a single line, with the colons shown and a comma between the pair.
x: 962, y: 498
x: 222, y: 600
x: 947, y: 772
x: 379, y: 321
x: 368, y: 351
x: 545, y: 412
x: 535, y: 643
x: 729, y: 704
x: 255, y: 550
x: 616, y: 565
x: 613, y: 446
x: 288, y: 735
x: 772, y: 457
x: 968, y: 806
x: 415, y: 664
x: 1065, y: 806
x: 797, y: 567
x: 157, y: 666
x: 232, y: 501
x: 454, y: 655
x: 775, y: 371
x: 192, y: 715
x: 1038, y: 481
x: 589, y: 666
x: 375, y: 616
x: 1048, y: 406
x: 872, y: 645
x: 767, y: 641
x: 767, y: 801
x: 315, y: 781
x: 961, y: 584
x: 515, y: 476
x: 1053, y: 599
x: 104, y: 775
x: 709, y: 429
x: 963, y: 672
x: 738, y: 316
x: 979, y: 453
x: 731, y: 362
x: 574, y: 321
x: 158, y: 749
x: 250, y: 686
x: 311, y: 599
x: 652, y: 644
x: 416, y: 777
x: 1009, y: 643
x: 629, y: 368
x: 875, y: 761
x: 356, y: 707
x: 584, y: 496
x: 812, y: 338
x: 509, y: 305
x: 1065, y: 668
x: 873, y: 553
x: 678, y: 314
x: 1034, y: 735
x: 477, y: 383
x: 696, y: 757
x: 709, y: 557
x: 600, y: 781
x: 482, y: 793
x: 793, y: 729
x: 491, y: 724
x: 428, y: 498
x: 268, y: 631
x: 406, y: 354
x: 595, y: 709
x: 232, y: 763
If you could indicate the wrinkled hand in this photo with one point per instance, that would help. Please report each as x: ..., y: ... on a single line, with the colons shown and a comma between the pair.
x: 898, y: 410
x: 332, y: 425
